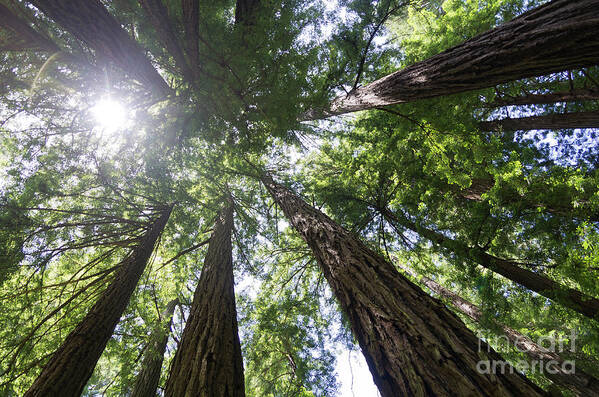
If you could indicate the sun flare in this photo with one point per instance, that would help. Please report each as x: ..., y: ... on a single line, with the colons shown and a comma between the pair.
x: 109, y: 114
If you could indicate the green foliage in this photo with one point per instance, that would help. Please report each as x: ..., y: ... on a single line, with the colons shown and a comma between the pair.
x: 75, y: 198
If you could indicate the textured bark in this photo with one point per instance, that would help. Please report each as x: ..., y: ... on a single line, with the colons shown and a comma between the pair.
x: 158, y: 15
x: 72, y: 364
x: 579, y: 382
x: 555, y: 121
x: 90, y: 22
x: 26, y: 36
x: 556, y: 36
x: 208, y: 362
x: 579, y: 95
x: 146, y: 382
x: 413, y: 344
x: 568, y: 297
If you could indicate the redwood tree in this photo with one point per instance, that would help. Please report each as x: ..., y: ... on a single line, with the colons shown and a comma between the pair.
x: 556, y: 36
x: 575, y: 95
x: 25, y: 37
x: 146, y: 382
x: 90, y: 22
x: 580, y: 382
x: 72, y: 364
x: 208, y: 361
x: 568, y: 297
x: 540, y: 196
x: 412, y: 343
x: 553, y: 121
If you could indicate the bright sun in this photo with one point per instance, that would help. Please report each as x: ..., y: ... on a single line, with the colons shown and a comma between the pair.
x: 110, y: 115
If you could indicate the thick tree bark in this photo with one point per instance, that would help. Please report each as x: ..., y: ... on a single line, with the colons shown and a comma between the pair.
x: 555, y: 121
x: 90, y: 22
x: 72, y: 364
x: 208, y: 362
x: 556, y: 36
x: 579, y: 382
x: 413, y: 344
x: 27, y: 37
x: 568, y: 297
x: 579, y: 95
x: 146, y: 382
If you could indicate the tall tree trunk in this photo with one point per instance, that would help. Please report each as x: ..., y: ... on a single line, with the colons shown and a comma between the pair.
x: 90, y: 22
x: 191, y: 28
x: 568, y: 297
x: 580, y: 382
x: 413, y: 344
x: 556, y: 36
x: 72, y: 364
x: 558, y: 204
x: 148, y: 378
x: 27, y: 37
x: 158, y: 16
x: 555, y: 121
x: 208, y: 362
x: 579, y: 95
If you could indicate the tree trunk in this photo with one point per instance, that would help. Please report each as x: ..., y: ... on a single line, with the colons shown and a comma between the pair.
x: 539, y: 196
x: 27, y: 37
x: 582, y: 94
x: 568, y: 297
x: 72, y: 364
x: 191, y: 28
x: 208, y: 362
x: 148, y: 378
x: 579, y: 382
x: 555, y: 121
x: 556, y: 36
x: 90, y: 22
x: 413, y: 344
x: 158, y: 16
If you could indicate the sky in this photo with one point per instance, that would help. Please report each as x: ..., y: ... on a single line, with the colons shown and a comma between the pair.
x: 360, y: 384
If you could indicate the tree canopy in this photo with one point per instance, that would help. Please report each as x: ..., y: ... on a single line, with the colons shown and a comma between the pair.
x: 469, y: 162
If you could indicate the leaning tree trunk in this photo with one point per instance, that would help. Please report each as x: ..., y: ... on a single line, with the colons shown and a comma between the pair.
x: 90, y: 22
x: 555, y: 121
x: 146, y: 382
x: 72, y: 364
x: 158, y: 16
x: 578, y: 95
x: 568, y: 297
x: 413, y: 344
x: 208, y: 362
x: 579, y: 382
x: 19, y: 36
x: 190, y: 10
x: 26, y: 37
x: 556, y: 36
x: 557, y: 206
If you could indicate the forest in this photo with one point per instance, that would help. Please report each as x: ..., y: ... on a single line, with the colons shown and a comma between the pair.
x: 216, y: 198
